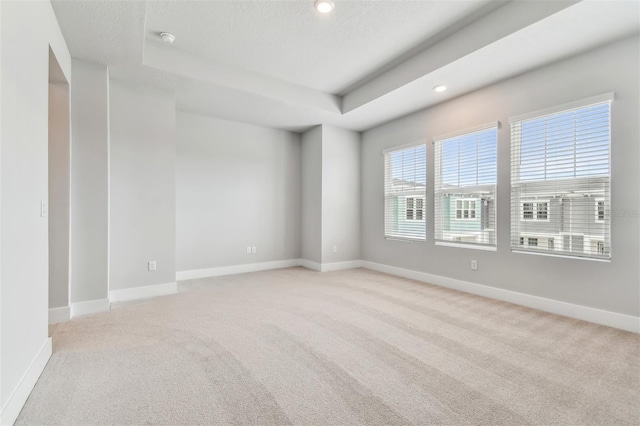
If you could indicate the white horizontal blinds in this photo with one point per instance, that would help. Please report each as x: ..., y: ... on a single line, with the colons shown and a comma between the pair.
x: 405, y: 178
x: 560, y: 196
x: 465, y: 188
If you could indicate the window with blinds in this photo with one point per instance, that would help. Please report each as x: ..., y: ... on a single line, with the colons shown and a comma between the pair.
x: 405, y: 182
x: 560, y: 195
x: 465, y: 188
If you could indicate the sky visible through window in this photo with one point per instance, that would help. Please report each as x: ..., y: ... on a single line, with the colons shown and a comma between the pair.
x: 572, y: 144
x: 470, y: 160
x: 408, y: 164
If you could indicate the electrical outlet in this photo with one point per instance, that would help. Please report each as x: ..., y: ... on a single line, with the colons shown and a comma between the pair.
x: 335, y: 249
x: 248, y: 249
x: 253, y: 250
x: 43, y: 208
x: 152, y: 265
x: 474, y: 265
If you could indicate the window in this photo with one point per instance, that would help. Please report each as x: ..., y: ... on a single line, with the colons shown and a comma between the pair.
x: 599, y: 210
x: 405, y: 179
x: 542, y: 211
x: 465, y: 187
x: 535, y: 210
x: 415, y: 208
x: 562, y: 157
x: 465, y: 209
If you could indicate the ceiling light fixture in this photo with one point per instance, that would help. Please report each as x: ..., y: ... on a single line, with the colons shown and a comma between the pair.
x: 440, y: 88
x: 167, y: 37
x: 324, y: 6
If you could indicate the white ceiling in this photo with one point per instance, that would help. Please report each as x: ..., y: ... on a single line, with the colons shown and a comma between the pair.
x: 289, y: 41
x: 279, y: 64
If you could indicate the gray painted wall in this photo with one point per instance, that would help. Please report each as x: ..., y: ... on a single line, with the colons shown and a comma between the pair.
x: 312, y: 194
x: 142, y: 192
x: 237, y: 185
x: 89, y: 182
x: 340, y: 194
x: 27, y: 29
x: 59, y: 194
x: 612, y: 286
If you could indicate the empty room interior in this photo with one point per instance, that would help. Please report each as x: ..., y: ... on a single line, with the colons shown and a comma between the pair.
x: 320, y: 212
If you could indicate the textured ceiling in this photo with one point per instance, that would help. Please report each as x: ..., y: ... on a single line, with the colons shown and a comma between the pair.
x: 277, y: 63
x: 288, y: 40
x: 103, y: 31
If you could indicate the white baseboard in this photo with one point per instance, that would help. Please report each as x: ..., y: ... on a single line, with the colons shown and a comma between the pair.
x: 90, y: 307
x: 16, y: 401
x: 585, y: 313
x: 146, y: 292
x: 235, y: 269
x: 339, y: 266
x: 315, y: 266
x: 254, y: 267
x: 59, y: 314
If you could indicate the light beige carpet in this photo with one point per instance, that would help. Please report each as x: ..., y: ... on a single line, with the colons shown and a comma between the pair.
x: 293, y: 346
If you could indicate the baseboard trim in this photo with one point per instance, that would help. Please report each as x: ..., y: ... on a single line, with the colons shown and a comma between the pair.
x: 339, y: 266
x: 146, y: 292
x: 89, y: 307
x: 585, y: 313
x: 235, y: 269
x: 16, y: 401
x: 314, y: 266
x: 57, y: 315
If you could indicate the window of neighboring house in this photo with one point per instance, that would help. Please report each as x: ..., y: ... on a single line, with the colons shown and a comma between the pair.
x: 534, y: 241
x: 465, y: 209
x: 562, y: 154
x: 599, y: 210
x: 465, y: 187
x: 542, y: 211
x: 405, y: 183
x: 415, y: 208
x: 528, y: 210
x: 600, y: 247
x: 535, y: 210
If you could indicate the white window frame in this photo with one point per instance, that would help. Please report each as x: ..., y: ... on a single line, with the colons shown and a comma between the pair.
x: 515, y: 153
x: 478, y: 201
x: 421, y: 194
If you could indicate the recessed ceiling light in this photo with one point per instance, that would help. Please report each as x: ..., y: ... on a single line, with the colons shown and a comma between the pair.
x: 324, y: 6
x: 167, y: 37
x: 440, y: 88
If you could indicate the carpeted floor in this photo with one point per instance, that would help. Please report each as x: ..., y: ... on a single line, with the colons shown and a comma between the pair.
x: 293, y: 346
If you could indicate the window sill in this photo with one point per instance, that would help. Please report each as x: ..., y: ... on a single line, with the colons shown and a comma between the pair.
x: 564, y: 256
x: 468, y: 246
x: 406, y: 239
